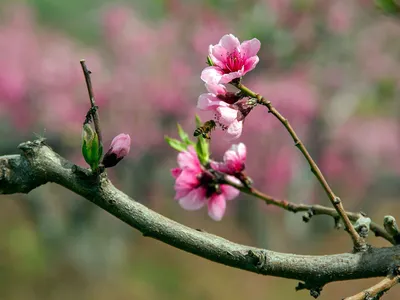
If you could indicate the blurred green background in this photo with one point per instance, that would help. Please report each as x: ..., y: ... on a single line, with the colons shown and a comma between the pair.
x: 331, y: 67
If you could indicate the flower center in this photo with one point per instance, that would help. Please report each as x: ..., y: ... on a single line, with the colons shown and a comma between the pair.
x: 234, y: 61
x: 207, y: 181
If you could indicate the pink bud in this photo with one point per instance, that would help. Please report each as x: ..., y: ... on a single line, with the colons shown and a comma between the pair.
x: 119, y: 148
x: 234, y: 160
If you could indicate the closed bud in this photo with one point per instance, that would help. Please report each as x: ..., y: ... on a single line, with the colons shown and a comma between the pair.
x: 92, y: 149
x: 119, y: 148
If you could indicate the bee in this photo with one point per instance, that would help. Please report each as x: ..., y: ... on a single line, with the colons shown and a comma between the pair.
x: 205, y: 130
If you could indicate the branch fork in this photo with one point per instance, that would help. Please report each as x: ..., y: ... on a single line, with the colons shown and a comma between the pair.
x: 359, y: 243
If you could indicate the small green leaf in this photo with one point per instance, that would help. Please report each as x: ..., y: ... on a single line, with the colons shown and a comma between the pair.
x: 184, y: 136
x: 202, y: 150
x: 388, y: 6
x: 198, y: 121
x: 209, y: 61
x: 176, y: 144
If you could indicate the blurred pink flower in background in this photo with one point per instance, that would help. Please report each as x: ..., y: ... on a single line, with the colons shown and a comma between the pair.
x: 231, y: 59
x: 194, y: 187
x: 340, y: 16
x: 234, y: 160
x: 293, y: 94
x: 374, y: 141
x: 278, y: 171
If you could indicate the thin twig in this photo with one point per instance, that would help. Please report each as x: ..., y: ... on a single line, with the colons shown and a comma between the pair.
x: 93, y: 110
x: 378, y: 290
x: 359, y: 242
x: 315, y: 209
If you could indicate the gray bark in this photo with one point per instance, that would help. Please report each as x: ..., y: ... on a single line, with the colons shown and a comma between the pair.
x: 39, y: 164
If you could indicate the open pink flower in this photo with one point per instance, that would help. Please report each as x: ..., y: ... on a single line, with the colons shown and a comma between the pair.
x: 194, y: 186
x: 231, y: 59
x: 229, y: 112
x: 234, y: 160
x: 225, y: 114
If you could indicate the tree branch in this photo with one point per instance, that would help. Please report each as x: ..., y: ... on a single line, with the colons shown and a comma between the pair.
x: 39, y: 164
x: 378, y: 290
x: 358, y: 241
x: 93, y: 107
x: 311, y: 210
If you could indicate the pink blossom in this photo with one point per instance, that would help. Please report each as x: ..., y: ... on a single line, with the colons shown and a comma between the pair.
x: 225, y: 115
x: 212, y: 76
x: 119, y: 148
x: 195, y: 187
x: 234, y: 160
x: 229, y: 112
x: 231, y: 59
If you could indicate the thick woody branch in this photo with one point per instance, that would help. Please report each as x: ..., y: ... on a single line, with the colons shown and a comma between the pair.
x: 39, y: 164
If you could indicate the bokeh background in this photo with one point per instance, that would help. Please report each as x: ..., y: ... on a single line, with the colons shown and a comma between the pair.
x: 331, y: 67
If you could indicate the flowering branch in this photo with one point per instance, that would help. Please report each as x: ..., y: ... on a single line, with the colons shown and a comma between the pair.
x: 378, y: 290
x: 38, y: 164
x: 358, y: 241
x: 311, y: 210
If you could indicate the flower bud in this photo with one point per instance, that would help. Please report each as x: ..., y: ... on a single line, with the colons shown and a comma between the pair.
x: 92, y: 149
x: 234, y: 160
x: 119, y: 148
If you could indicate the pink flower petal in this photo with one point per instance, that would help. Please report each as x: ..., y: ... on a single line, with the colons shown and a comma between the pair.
x: 250, y: 64
x: 216, y: 207
x: 250, y: 48
x: 233, y: 179
x: 182, y: 193
x: 211, y: 75
x: 228, y: 191
x: 189, y: 159
x: 241, y: 150
x: 229, y: 42
x: 176, y: 172
x: 226, y: 115
x: 235, y: 130
x: 218, y: 166
x: 193, y: 200
x: 226, y: 78
x: 218, y: 55
x: 185, y: 183
x: 217, y: 89
x: 209, y: 102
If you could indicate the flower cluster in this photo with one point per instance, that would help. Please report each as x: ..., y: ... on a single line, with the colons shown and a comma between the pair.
x: 197, y: 185
x: 229, y: 61
x: 199, y: 180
